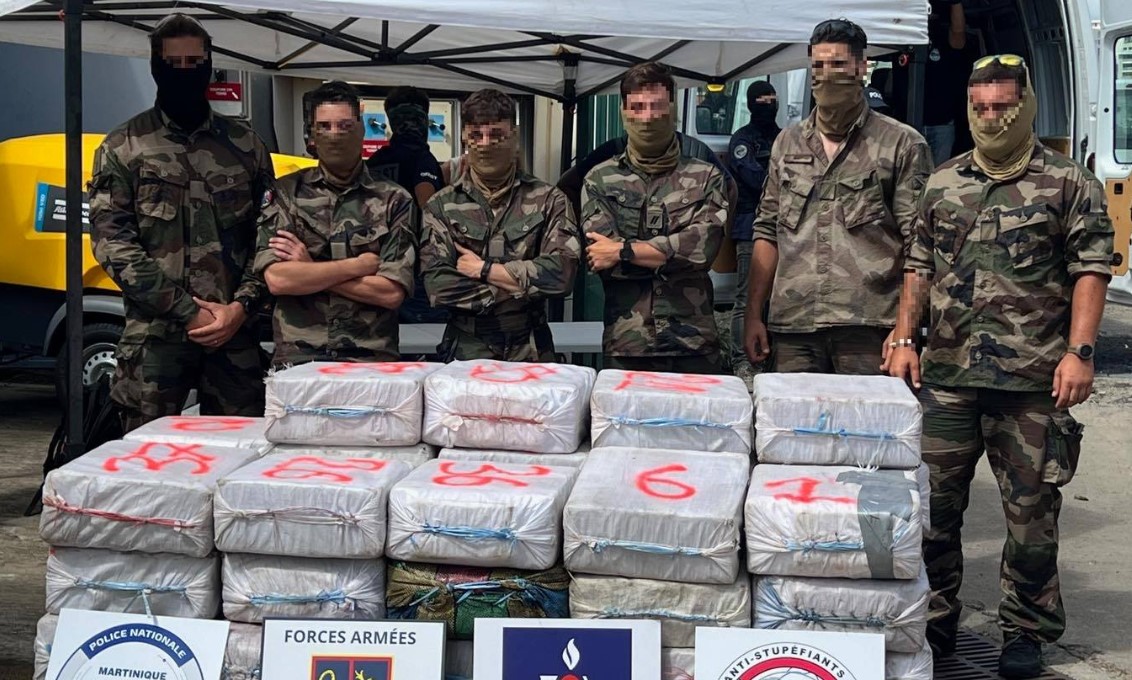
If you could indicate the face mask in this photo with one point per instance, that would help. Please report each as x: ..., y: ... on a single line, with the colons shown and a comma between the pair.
x: 409, y: 123
x: 840, y: 99
x: 182, y: 93
x: 1003, y: 144
x: 650, y: 138
x: 494, y: 162
x: 339, y: 152
x: 764, y: 114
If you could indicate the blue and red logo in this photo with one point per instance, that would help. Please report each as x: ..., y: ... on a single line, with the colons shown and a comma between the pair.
x: 351, y: 668
x: 567, y: 653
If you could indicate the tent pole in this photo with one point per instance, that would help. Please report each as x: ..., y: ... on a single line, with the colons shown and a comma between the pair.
x: 557, y: 307
x: 73, y: 104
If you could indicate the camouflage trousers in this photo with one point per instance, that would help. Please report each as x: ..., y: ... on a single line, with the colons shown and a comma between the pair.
x: 700, y: 364
x: 1025, y: 439
x: 153, y: 379
x: 852, y: 350
x: 536, y: 345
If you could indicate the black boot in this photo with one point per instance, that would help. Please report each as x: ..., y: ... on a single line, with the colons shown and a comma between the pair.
x: 1021, y: 658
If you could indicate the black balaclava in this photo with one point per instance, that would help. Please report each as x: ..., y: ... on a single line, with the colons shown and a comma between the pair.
x: 182, y: 93
x: 762, y: 115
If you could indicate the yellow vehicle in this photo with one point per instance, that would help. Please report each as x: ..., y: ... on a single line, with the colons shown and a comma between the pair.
x: 32, y: 273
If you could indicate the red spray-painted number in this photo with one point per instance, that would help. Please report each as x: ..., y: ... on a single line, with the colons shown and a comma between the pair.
x: 485, y: 474
x: 658, y: 484
x: 804, y: 491
x: 312, y: 467
x: 503, y: 373
x: 155, y: 457
x: 207, y: 424
x: 684, y: 384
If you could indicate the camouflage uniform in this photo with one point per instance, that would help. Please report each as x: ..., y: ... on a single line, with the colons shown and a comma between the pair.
x: 173, y: 216
x: 1001, y: 258
x: 663, y: 319
x: 534, y: 237
x: 371, y: 216
x: 840, y: 229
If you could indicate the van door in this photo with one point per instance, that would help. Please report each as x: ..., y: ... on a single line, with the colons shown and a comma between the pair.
x: 1114, y: 131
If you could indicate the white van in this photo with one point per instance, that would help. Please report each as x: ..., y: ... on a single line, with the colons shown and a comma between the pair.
x: 1080, y: 57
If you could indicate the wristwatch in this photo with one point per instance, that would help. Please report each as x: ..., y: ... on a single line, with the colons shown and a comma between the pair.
x: 248, y: 304
x: 486, y: 270
x: 627, y: 252
x: 1083, y: 351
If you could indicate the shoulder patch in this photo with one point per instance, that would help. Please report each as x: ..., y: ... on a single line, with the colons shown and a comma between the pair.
x: 268, y: 197
x: 740, y: 152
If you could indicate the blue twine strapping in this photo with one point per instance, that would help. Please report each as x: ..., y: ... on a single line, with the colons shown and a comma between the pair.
x: 650, y: 548
x: 618, y: 613
x: 470, y: 533
x: 139, y: 589
x: 823, y: 429
x: 773, y: 605
x: 337, y: 596
x: 335, y: 411
x: 808, y: 546
x: 667, y: 422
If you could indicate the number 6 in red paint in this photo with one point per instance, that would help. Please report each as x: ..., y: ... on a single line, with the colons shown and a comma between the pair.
x: 654, y: 483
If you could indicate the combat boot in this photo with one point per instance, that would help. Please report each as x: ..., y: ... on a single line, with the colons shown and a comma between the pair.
x: 1021, y: 658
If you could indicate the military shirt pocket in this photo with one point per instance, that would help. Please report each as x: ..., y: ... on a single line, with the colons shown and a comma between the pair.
x: 365, y: 239
x: 861, y: 200
x: 471, y: 235
x: 680, y: 209
x: 231, y: 194
x: 628, y: 205
x: 523, y: 235
x: 792, y: 199
x: 1027, y: 236
x: 160, y: 192
x: 950, y: 225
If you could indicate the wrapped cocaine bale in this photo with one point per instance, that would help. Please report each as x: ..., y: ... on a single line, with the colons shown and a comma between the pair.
x: 261, y: 586
x: 226, y: 431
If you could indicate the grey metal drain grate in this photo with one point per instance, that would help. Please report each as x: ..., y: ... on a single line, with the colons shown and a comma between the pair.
x: 976, y: 658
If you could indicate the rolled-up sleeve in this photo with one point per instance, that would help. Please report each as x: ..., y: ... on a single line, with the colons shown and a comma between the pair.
x: 1089, y: 237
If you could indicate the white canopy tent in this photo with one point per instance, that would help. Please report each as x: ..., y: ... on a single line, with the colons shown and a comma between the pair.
x: 562, y: 49
x: 519, y: 45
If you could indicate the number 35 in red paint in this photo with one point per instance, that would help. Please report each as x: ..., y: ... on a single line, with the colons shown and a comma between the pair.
x: 485, y: 474
x: 658, y: 484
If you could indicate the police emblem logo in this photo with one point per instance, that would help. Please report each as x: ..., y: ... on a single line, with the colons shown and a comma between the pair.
x: 780, y: 661
x: 740, y: 152
x: 351, y: 668
x: 567, y: 654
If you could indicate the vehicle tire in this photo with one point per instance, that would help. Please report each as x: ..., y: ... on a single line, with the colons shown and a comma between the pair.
x: 100, y: 340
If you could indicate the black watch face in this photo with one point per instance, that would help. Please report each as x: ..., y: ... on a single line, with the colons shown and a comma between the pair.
x: 1085, y: 351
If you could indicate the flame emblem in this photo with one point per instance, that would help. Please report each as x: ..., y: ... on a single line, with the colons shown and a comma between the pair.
x: 570, y: 655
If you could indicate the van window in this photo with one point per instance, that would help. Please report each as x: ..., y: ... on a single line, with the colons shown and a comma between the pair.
x: 1123, y: 101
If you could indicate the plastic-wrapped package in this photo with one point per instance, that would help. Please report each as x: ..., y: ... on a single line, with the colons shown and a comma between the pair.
x: 44, y: 636
x: 924, y: 480
x: 680, y: 607
x: 678, y: 663
x: 485, y: 404
x: 227, y: 431
x: 347, y: 404
x: 898, y: 609
x: 306, y: 506
x: 678, y: 515
x: 415, y: 455
x: 834, y: 521
x: 576, y: 459
x: 138, y: 496
x: 458, y: 655
x: 819, y: 419
x: 261, y: 586
x: 918, y: 666
x: 479, y: 514
x: 104, y: 580
x: 647, y: 410
x: 241, y: 656
x: 457, y: 596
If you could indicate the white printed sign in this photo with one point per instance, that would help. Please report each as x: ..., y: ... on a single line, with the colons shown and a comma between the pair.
x: 318, y: 649
x: 755, y: 654
x: 566, y: 649
x: 90, y: 644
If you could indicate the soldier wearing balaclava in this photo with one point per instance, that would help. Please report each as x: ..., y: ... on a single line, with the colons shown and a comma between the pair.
x: 173, y: 203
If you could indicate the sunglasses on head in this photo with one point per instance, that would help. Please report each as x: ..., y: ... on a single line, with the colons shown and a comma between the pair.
x: 1010, y: 60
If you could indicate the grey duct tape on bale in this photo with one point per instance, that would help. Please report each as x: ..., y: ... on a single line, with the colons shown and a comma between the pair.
x: 884, y: 495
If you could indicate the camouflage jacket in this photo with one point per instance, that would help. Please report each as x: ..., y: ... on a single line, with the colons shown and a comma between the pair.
x: 371, y: 216
x: 840, y: 227
x: 173, y: 216
x: 1001, y: 258
x: 535, y: 238
x: 669, y: 311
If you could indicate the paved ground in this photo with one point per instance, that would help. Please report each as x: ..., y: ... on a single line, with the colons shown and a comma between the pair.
x: 1096, y: 534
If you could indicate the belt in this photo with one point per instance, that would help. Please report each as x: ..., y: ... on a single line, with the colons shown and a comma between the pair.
x: 509, y: 323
